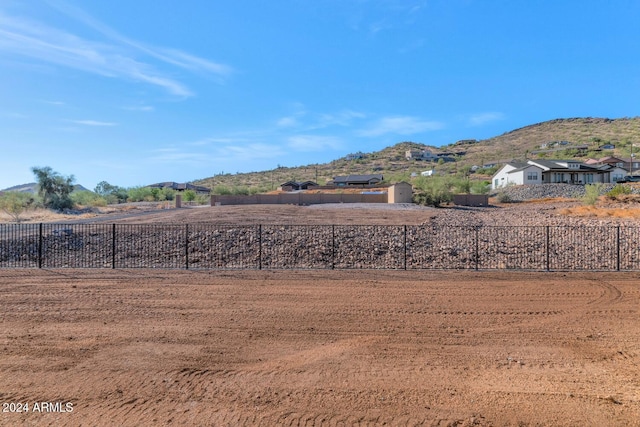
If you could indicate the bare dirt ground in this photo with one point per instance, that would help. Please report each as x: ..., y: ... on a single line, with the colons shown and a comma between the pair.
x: 539, y: 212
x: 535, y: 213
x: 313, y: 348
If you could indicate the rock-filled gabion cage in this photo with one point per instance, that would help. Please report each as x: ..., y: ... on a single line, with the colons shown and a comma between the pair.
x: 410, y: 247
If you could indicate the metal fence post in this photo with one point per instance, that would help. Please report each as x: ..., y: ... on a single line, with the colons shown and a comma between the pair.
x: 405, y: 246
x: 40, y: 246
x: 113, y: 246
x: 186, y: 246
x: 260, y: 247
x: 547, y: 246
x: 477, y: 247
x: 618, y: 248
x: 333, y: 247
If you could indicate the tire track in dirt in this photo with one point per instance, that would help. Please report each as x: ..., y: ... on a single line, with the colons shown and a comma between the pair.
x: 296, y: 349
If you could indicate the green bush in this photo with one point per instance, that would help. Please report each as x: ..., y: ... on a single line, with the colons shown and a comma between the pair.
x: 462, y: 185
x: 15, y: 204
x: 111, y: 193
x: 139, y: 194
x: 221, y: 190
x: 189, y: 196
x: 618, y: 190
x: 88, y: 198
x: 481, y: 187
x: 503, y: 197
x: 203, y: 199
x: 591, y: 194
x: 432, y: 191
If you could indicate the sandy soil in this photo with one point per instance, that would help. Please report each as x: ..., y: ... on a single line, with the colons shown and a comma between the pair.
x: 150, y: 347
x: 556, y: 212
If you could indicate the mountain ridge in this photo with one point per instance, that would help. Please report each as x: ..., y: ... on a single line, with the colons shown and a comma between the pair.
x: 575, y: 138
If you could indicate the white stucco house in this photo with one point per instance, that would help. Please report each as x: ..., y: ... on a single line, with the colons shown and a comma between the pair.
x: 553, y: 172
x: 420, y: 155
x: 517, y: 173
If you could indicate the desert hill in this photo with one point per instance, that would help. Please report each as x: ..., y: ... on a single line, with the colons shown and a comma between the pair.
x: 32, y: 188
x: 578, y: 138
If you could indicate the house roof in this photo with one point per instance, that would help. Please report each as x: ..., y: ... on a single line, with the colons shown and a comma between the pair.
x: 298, y: 183
x: 556, y: 165
x: 611, y: 159
x: 518, y: 166
x: 358, y: 178
x: 180, y: 186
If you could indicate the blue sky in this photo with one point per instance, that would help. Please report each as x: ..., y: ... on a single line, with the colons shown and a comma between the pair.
x: 137, y: 92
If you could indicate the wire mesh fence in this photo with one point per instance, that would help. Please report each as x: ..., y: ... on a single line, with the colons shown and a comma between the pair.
x: 207, y: 246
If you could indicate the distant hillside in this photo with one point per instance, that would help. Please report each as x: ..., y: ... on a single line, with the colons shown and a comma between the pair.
x: 389, y: 161
x: 579, y: 138
x: 23, y: 188
x: 590, y: 132
x: 32, y: 188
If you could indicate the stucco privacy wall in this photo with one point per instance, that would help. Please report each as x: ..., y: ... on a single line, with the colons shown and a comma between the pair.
x: 297, y: 199
x: 397, y: 193
x: 471, y: 199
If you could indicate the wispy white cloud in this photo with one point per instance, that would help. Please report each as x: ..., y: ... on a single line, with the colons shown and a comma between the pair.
x: 177, y: 156
x: 191, y: 62
x: 287, y: 122
x: 16, y: 115
x: 482, y: 118
x: 215, y: 151
x: 115, y: 56
x: 412, y: 46
x: 342, y: 118
x: 313, y: 142
x: 169, y: 55
x: 143, y: 108
x: 92, y: 123
x: 383, y: 15
x: 400, y: 125
x: 306, y: 121
x: 58, y: 103
x: 251, y: 151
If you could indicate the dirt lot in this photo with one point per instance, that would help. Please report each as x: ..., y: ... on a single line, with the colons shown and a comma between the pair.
x: 158, y: 347
x: 152, y: 347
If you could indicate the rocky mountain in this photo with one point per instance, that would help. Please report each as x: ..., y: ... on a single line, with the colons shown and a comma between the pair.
x: 31, y: 187
x: 573, y: 138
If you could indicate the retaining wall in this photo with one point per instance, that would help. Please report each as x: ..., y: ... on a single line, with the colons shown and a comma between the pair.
x: 297, y: 199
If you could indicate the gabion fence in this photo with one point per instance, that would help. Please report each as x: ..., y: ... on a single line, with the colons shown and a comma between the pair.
x: 408, y: 247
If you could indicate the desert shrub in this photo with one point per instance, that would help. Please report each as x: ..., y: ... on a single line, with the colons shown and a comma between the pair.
x: 15, y: 204
x: 432, y: 191
x: 488, y: 171
x: 165, y: 194
x: 221, y: 190
x: 88, y: 198
x: 591, y: 194
x: 617, y: 191
x: 481, y: 187
x: 139, y: 194
x: 462, y: 185
x: 203, y: 199
x: 240, y: 190
x: 504, y: 197
x: 112, y: 194
x: 189, y: 196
